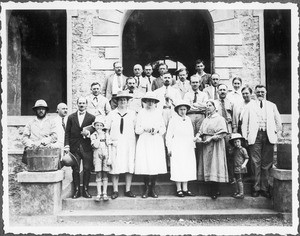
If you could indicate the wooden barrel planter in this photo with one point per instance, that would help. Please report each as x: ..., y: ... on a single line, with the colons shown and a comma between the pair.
x: 43, y: 159
x: 284, y: 156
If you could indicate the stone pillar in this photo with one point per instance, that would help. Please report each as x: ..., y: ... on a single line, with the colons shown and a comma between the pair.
x: 282, y: 190
x: 41, y: 192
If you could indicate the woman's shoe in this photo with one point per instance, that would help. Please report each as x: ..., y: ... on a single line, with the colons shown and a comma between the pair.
x: 129, y: 194
x: 188, y: 193
x: 239, y: 196
x: 105, y: 197
x: 180, y: 193
x: 214, y: 197
x: 98, y: 198
x: 146, y: 192
x: 114, y: 195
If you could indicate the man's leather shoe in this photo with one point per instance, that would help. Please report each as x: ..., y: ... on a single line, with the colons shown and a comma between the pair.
x: 76, y: 194
x: 265, y: 194
x: 85, y: 193
x: 129, y: 194
x: 114, y: 195
x: 255, y: 194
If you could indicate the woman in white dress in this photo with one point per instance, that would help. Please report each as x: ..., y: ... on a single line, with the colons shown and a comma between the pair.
x: 150, y: 150
x: 181, y: 149
x: 121, y: 122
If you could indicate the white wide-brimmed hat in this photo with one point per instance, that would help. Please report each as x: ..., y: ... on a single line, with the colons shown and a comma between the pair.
x: 123, y: 94
x: 182, y: 103
x: 150, y: 96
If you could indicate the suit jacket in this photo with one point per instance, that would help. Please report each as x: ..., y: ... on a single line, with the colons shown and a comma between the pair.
x: 100, y: 108
x: 73, y: 136
x: 107, y: 86
x: 250, y: 123
x: 210, y: 90
x: 157, y: 83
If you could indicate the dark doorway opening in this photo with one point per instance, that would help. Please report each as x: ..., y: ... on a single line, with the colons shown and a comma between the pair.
x: 43, y: 57
x: 180, y: 35
x: 278, y: 58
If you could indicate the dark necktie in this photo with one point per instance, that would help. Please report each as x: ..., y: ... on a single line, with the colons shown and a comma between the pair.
x: 195, y: 97
x: 261, y: 105
x: 224, y: 114
x: 122, y: 122
x: 63, y: 123
x: 215, y: 93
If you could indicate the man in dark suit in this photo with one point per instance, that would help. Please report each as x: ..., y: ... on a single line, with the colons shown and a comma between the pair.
x: 78, y: 143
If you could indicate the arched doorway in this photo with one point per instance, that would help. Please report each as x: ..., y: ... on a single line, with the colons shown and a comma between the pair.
x: 36, y: 59
x: 180, y: 35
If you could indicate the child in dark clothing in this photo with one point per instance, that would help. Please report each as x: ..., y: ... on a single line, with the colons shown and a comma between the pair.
x: 241, y: 158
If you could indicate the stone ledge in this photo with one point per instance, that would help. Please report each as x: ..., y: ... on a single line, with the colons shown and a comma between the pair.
x: 281, y: 174
x: 41, y: 177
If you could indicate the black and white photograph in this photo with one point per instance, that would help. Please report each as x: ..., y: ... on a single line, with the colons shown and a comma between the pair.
x: 150, y: 118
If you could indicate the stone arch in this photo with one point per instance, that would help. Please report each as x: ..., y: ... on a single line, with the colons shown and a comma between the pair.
x: 201, y: 44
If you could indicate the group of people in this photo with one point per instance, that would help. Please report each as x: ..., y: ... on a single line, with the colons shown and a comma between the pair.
x: 142, y: 125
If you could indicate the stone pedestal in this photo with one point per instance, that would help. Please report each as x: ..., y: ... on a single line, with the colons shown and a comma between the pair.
x: 282, y: 190
x: 41, y: 192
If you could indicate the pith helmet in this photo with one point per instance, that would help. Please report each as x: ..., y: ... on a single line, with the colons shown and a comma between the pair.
x: 236, y: 136
x: 40, y: 103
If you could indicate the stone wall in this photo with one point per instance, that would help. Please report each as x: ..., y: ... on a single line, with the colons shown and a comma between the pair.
x: 249, y: 51
x: 83, y: 53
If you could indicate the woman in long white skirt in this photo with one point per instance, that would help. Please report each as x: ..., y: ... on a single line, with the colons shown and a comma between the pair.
x: 181, y: 149
x: 150, y: 157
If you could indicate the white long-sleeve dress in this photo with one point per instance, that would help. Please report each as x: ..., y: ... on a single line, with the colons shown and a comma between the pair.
x: 123, y: 145
x: 179, y: 140
x: 150, y: 150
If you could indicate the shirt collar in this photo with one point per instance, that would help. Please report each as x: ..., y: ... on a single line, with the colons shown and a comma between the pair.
x: 40, y: 120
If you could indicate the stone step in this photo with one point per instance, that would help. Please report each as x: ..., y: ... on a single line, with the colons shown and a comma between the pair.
x: 148, y: 215
x: 169, y: 188
x: 168, y: 203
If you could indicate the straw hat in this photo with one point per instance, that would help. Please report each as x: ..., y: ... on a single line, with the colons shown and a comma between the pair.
x: 182, y: 103
x: 123, y: 94
x: 236, y: 136
x: 150, y: 96
x: 40, y: 103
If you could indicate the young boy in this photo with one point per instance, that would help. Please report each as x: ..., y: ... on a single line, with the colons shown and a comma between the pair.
x: 101, y: 144
x: 241, y: 158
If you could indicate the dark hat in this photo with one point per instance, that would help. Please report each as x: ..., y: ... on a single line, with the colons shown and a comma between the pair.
x: 69, y: 159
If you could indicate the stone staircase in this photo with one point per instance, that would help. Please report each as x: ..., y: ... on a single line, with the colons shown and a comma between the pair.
x: 167, y: 205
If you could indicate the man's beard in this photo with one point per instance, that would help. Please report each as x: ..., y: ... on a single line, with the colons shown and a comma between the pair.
x: 40, y: 115
x: 167, y: 83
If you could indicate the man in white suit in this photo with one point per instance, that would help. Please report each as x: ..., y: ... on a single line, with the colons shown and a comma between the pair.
x: 96, y: 103
x: 114, y: 84
x: 261, y: 127
x: 168, y: 98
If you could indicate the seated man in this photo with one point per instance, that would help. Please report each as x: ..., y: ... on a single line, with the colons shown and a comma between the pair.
x: 41, y: 131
